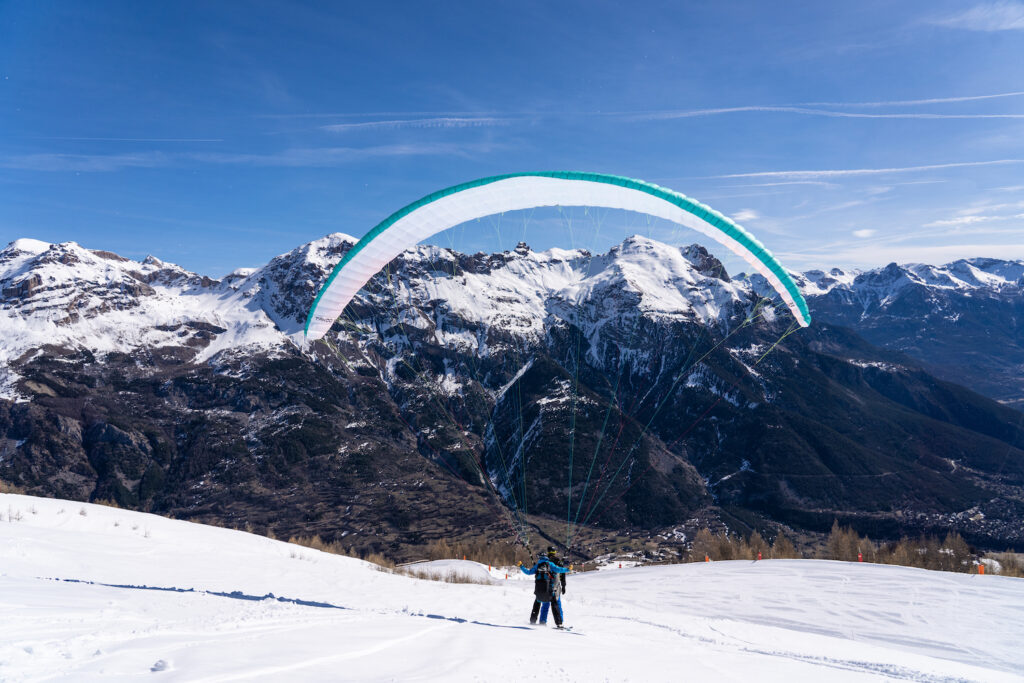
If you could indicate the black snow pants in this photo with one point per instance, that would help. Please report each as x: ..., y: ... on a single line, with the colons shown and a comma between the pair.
x: 556, y: 609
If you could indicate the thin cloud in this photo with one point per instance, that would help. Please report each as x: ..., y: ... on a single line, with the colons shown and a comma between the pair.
x: 298, y: 157
x: 916, y: 246
x: 746, y: 215
x: 740, y: 195
x: 805, y: 111
x: 82, y: 139
x: 333, y: 156
x: 842, y: 206
x: 85, y: 162
x: 988, y: 207
x: 820, y: 183
x: 470, y: 118
x: 837, y: 173
x: 863, y: 234
x: 873, y: 256
x: 971, y: 220
x: 375, y: 114
x: 437, y: 122
x: 905, y: 103
x: 996, y: 16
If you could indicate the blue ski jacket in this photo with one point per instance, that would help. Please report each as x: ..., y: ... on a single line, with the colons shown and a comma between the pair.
x: 554, y: 568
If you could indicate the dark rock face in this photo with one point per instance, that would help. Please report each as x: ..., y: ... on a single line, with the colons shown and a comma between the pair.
x: 704, y: 263
x: 424, y: 417
x: 289, y: 447
x: 547, y: 445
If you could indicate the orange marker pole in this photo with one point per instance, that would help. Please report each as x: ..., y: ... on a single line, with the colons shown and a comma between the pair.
x: 981, y: 569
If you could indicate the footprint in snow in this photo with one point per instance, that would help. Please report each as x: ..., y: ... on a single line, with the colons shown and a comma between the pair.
x: 160, y: 665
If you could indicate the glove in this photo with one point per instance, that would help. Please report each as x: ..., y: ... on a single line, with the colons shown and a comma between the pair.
x: 520, y: 564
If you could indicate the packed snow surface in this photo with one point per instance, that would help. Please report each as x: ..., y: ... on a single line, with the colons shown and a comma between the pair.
x: 90, y: 592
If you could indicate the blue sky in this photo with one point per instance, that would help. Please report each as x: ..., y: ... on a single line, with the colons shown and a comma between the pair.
x: 217, y: 135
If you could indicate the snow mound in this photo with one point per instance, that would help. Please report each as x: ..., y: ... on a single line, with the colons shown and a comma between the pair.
x: 456, y: 571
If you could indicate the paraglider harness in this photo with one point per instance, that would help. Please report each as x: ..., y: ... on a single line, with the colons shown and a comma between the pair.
x: 557, y: 561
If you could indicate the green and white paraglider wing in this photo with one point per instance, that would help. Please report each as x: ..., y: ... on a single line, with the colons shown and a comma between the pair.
x: 498, y: 194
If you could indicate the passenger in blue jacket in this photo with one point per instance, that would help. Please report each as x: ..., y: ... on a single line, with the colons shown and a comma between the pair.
x: 547, y: 588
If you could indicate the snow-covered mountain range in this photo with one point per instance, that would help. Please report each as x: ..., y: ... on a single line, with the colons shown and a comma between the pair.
x: 452, y: 374
x: 964, y: 321
x: 68, y: 295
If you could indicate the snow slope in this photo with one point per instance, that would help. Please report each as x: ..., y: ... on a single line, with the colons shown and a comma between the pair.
x: 89, y: 592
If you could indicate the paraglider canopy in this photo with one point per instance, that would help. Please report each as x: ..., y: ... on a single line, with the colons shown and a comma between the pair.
x: 512, y: 192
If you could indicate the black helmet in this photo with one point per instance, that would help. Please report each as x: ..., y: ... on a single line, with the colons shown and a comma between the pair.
x: 552, y: 550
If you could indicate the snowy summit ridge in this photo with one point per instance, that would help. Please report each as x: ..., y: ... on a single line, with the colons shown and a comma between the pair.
x: 69, y: 296
x: 66, y: 295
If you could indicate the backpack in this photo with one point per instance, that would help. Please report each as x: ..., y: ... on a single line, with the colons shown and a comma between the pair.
x: 544, y: 582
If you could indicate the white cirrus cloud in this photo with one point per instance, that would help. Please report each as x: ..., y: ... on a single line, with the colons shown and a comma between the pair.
x: 871, y: 255
x: 835, y: 173
x: 867, y: 232
x: 294, y: 157
x: 993, y: 16
x: 806, y: 111
x: 746, y: 215
x: 434, y: 122
x: 906, y: 103
x: 85, y: 162
x: 971, y: 220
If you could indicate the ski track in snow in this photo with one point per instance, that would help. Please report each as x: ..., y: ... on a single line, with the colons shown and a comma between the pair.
x: 95, y: 593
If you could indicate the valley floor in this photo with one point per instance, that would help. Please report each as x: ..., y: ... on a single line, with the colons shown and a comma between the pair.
x: 89, y: 592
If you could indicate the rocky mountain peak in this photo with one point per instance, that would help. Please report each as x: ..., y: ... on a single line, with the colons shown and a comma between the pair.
x: 704, y: 262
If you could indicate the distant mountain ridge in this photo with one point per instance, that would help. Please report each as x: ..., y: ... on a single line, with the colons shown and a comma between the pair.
x: 453, y: 374
x: 964, y: 321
